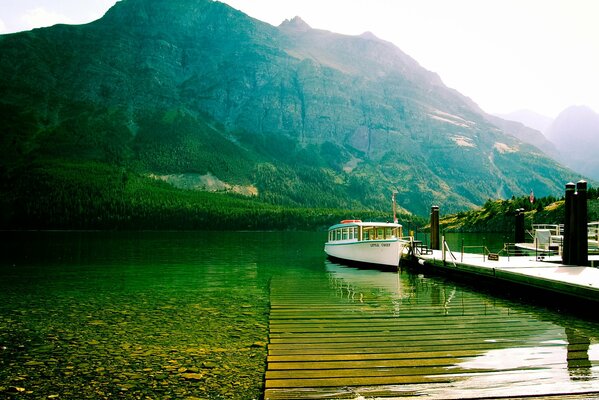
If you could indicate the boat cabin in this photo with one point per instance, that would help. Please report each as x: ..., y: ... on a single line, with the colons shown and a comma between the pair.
x: 357, y: 231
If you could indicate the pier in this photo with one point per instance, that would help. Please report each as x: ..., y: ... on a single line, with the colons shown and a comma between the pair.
x: 557, y: 263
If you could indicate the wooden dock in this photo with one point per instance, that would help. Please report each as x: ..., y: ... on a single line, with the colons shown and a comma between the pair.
x: 365, y: 334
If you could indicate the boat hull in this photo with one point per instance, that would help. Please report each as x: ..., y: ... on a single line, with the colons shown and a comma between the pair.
x: 382, y: 252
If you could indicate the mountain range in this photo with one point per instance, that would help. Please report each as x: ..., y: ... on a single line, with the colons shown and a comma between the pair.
x: 201, y: 96
x: 529, y: 118
x: 575, y: 133
x: 572, y: 138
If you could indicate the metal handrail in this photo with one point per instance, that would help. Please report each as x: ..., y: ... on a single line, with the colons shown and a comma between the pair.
x: 446, y: 246
x: 485, y: 250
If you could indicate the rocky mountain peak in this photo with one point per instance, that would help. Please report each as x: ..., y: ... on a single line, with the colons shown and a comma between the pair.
x: 369, y: 35
x: 295, y: 24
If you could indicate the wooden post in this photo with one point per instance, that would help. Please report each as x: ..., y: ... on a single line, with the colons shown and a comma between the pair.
x: 568, y: 219
x: 581, y: 229
x: 435, y: 227
x: 519, y: 228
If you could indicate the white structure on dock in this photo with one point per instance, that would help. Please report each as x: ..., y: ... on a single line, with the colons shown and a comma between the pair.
x: 549, y: 238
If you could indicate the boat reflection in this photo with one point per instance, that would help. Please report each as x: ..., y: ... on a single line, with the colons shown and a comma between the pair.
x: 357, y: 282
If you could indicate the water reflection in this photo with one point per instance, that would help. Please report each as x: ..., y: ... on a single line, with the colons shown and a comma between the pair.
x: 357, y: 283
x: 579, y: 364
x: 500, y: 346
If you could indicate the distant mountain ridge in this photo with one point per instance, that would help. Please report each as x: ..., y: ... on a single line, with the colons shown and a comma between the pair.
x: 529, y: 118
x: 575, y: 132
x: 295, y: 115
x: 520, y: 129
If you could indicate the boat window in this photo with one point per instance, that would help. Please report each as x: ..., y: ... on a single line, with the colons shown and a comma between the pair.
x: 337, y: 234
x: 380, y: 234
x: 366, y: 234
x: 345, y: 231
x: 388, y: 233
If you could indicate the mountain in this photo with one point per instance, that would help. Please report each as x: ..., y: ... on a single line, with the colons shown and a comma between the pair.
x: 575, y: 133
x: 198, y: 94
x: 523, y: 132
x: 529, y: 118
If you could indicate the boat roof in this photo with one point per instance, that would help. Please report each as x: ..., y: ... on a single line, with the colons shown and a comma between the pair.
x: 349, y: 223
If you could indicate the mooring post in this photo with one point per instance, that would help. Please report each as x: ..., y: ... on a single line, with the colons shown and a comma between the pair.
x: 568, y: 219
x: 519, y: 228
x: 581, y: 229
x: 519, y: 232
x: 435, y: 227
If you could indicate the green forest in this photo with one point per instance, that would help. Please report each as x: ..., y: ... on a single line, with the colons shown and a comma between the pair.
x: 52, y: 194
x: 499, y: 215
x: 88, y: 195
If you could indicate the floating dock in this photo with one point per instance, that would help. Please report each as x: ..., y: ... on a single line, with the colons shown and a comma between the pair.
x: 545, y: 273
x: 572, y: 272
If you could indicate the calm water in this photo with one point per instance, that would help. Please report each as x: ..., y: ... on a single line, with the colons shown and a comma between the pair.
x: 182, y: 315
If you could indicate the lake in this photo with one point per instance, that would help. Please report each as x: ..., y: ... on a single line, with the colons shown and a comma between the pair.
x: 186, y: 314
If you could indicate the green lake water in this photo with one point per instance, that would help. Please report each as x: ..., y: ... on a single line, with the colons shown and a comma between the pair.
x: 173, y: 314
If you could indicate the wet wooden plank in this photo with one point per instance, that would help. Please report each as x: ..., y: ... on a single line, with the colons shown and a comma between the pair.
x: 398, y: 347
x: 391, y: 325
x: 328, y: 346
x: 365, y: 372
x: 371, y: 356
x: 354, y: 381
x: 324, y: 337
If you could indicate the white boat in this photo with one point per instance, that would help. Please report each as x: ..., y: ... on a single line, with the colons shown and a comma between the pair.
x: 365, y: 242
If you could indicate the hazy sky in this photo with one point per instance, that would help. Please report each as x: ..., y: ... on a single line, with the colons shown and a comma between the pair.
x: 541, y: 55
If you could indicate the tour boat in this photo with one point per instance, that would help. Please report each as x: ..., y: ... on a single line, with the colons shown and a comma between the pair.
x: 365, y: 242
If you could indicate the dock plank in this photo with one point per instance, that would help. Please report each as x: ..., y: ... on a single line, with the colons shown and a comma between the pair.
x: 324, y: 344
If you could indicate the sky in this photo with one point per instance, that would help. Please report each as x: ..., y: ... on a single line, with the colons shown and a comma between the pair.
x: 506, y: 55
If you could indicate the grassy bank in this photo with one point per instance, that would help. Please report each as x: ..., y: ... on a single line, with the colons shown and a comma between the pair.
x: 499, y: 215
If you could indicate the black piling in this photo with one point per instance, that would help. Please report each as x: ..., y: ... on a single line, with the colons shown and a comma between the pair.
x: 575, y: 246
x: 568, y: 213
x: 435, y: 227
x: 581, y: 229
